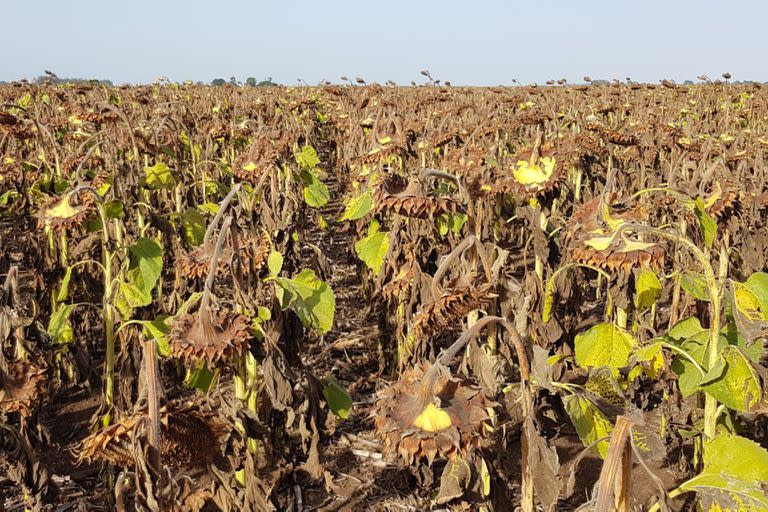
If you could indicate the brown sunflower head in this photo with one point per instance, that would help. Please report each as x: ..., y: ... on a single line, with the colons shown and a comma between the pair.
x: 196, y: 263
x: 190, y: 439
x: 395, y: 195
x: 67, y: 211
x: 429, y: 414
x: 594, y: 239
x: 210, y: 337
x: 260, y: 158
x: 20, y: 387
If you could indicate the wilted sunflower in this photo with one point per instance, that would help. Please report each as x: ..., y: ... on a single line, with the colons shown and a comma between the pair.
x: 20, y: 386
x: 428, y: 413
x: 596, y: 243
x: 67, y: 211
x: 189, y: 438
x: 258, y: 160
x: 397, y: 196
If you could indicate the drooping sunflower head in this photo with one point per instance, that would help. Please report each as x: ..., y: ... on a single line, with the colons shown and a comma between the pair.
x: 535, y: 171
x: 450, y: 420
x: 595, y: 240
x: 67, y: 211
x: 20, y: 387
x: 190, y: 438
x: 211, y: 338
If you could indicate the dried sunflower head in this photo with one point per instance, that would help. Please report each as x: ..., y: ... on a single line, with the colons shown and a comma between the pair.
x: 190, y: 438
x: 431, y: 414
x: 535, y: 171
x: 395, y: 195
x: 596, y: 243
x: 446, y: 311
x: 258, y: 160
x: 65, y: 212
x: 196, y: 263
x: 210, y: 337
x: 722, y: 202
x: 20, y: 386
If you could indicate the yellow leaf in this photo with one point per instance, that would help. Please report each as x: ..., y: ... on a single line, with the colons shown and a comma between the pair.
x: 536, y: 174
x: 432, y: 419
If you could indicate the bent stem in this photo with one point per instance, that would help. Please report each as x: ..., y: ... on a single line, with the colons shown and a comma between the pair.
x: 526, y: 486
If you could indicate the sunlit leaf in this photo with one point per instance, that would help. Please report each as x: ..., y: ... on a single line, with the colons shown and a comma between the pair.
x: 604, y: 345
x: 310, y: 298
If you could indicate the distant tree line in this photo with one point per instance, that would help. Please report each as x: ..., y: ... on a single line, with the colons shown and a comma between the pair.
x: 250, y: 81
x: 49, y: 79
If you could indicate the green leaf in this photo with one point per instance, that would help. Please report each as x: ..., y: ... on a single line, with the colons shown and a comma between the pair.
x: 450, y: 222
x: 307, y: 158
x: 690, y: 336
x: 275, y: 263
x: 758, y: 284
x: 316, y: 193
x: 337, y: 397
x: 373, y: 249
x: 146, y: 264
x: 647, y: 288
x: 59, y: 328
x: 604, y: 345
x: 208, y: 208
x: 734, y: 475
x: 61, y: 296
x: 201, y: 378
x: 707, y: 223
x: 194, y: 226
x: 158, y: 330
x: 310, y: 298
x: 591, y: 424
x: 695, y: 285
x: 734, y: 381
x: 358, y: 207
x: 7, y: 197
x: 159, y: 176
x: 114, y: 209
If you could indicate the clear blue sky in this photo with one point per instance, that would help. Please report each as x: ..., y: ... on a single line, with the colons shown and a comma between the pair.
x: 469, y: 42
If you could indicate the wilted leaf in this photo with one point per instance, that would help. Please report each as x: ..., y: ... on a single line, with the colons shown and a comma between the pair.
x: 454, y: 481
x: 545, y: 466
